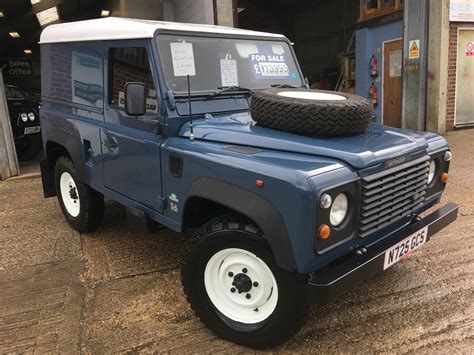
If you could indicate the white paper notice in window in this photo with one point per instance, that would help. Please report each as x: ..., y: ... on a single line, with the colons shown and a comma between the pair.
x: 183, y: 59
x: 229, y: 75
x: 396, y: 63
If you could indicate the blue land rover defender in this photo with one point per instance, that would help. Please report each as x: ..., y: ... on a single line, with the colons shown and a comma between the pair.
x: 295, y: 195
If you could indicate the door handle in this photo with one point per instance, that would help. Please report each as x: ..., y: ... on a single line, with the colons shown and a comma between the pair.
x: 110, y: 145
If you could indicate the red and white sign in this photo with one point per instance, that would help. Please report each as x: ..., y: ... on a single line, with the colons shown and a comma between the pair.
x: 470, y: 49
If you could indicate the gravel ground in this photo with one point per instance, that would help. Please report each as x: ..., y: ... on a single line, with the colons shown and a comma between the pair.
x: 117, y: 291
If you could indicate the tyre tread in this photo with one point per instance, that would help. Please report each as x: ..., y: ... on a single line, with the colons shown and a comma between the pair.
x: 92, y: 202
x: 310, y: 117
x: 266, y: 338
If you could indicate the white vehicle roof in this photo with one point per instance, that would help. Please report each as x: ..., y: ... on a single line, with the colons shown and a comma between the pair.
x: 116, y: 28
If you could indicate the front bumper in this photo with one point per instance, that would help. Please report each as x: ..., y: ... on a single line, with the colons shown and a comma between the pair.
x: 337, y: 280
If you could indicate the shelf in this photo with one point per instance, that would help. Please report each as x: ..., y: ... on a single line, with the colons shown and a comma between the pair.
x: 379, y: 8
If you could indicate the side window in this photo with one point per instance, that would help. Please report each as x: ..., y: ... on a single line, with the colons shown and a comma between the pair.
x: 130, y: 65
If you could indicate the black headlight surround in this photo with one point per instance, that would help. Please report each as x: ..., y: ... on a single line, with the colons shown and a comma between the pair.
x: 349, y: 226
x: 442, y: 166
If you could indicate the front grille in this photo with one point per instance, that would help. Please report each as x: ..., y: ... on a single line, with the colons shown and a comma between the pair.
x: 392, y: 194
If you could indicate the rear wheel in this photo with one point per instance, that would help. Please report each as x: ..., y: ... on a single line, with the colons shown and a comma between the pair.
x: 82, y: 206
x: 236, y: 288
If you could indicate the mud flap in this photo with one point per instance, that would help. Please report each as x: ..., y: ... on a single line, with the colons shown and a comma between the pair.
x: 47, y: 178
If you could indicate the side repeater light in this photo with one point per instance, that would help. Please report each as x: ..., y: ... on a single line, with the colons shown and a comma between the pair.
x: 444, y: 177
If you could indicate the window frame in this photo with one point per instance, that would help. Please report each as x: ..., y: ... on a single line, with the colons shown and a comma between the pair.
x: 165, y: 87
x: 152, y: 70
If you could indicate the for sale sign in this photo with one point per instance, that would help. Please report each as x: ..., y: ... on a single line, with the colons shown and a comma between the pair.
x: 470, y: 49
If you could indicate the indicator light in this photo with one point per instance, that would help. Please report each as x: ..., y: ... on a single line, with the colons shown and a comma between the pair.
x: 324, y: 231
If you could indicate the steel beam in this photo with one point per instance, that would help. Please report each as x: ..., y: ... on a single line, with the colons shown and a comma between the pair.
x: 415, y: 67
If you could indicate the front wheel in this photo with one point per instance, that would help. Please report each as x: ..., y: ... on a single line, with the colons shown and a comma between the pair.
x: 235, y: 287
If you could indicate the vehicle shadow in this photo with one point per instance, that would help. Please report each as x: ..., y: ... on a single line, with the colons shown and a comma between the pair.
x: 115, y: 251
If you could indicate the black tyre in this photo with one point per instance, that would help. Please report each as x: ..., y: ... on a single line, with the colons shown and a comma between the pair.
x: 28, y: 147
x: 311, y: 112
x: 235, y: 287
x: 82, y: 206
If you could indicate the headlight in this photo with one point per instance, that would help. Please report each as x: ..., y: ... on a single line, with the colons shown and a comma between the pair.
x: 447, y: 155
x: 326, y: 201
x: 431, y: 173
x: 24, y: 117
x: 31, y: 116
x: 339, y: 209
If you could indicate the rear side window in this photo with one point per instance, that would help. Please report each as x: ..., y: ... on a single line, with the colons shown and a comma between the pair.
x: 73, y: 73
x: 12, y: 92
x: 130, y: 65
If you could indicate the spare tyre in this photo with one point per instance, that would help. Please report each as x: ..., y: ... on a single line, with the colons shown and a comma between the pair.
x: 311, y: 112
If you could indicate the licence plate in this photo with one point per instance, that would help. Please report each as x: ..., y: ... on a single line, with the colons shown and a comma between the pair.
x: 405, y: 248
x: 31, y: 130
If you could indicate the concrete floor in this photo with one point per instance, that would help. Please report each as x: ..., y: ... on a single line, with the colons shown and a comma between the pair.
x: 116, y: 291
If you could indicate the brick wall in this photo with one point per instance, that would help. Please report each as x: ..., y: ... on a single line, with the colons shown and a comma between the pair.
x: 129, y: 65
x: 73, y: 73
x: 124, y: 73
x: 60, y: 57
x: 452, y: 60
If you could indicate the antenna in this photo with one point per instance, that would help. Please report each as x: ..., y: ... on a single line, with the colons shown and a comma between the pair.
x: 191, y: 137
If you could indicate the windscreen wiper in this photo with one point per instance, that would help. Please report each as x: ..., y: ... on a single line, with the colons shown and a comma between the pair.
x: 225, y: 89
x: 285, y: 86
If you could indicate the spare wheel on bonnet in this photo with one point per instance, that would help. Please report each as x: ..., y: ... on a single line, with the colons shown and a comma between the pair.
x: 311, y: 112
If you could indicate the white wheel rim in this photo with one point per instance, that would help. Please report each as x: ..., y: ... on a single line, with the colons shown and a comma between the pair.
x: 225, y: 271
x: 312, y: 95
x: 69, y: 194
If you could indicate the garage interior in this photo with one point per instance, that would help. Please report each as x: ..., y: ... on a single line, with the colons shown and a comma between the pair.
x: 343, y: 45
x: 323, y: 32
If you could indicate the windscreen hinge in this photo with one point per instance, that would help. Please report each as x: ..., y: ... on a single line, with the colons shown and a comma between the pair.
x: 171, y: 101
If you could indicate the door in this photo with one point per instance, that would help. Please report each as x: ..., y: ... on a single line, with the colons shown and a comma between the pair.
x: 131, y: 145
x: 465, y: 78
x: 392, y: 83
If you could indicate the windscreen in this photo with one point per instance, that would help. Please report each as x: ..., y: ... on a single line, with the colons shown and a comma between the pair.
x: 221, y: 62
x: 12, y: 92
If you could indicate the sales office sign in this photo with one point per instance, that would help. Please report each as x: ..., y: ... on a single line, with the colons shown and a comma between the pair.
x: 17, y: 67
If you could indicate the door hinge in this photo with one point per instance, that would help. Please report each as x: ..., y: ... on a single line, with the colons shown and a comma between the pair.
x: 161, y: 129
x: 161, y: 204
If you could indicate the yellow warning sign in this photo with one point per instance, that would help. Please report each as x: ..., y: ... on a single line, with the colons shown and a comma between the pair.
x: 414, y: 49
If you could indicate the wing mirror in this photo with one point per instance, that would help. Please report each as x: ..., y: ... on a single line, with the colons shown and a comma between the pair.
x: 135, y: 99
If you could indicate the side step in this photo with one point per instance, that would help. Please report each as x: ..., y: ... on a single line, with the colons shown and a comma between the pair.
x: 138, y: 222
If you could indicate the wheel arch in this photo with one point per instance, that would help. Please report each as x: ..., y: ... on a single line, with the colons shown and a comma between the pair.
x: 224, y: 197
x: 52, y: 152
x: 55, y: 150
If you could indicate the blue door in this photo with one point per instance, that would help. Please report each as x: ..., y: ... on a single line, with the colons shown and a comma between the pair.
x: 131, y: 145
